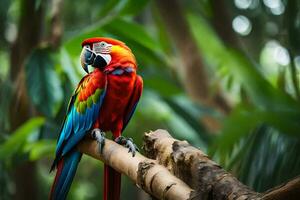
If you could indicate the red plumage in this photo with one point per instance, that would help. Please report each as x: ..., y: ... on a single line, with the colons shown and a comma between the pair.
x: 122, y: 95
x: 104, y: 99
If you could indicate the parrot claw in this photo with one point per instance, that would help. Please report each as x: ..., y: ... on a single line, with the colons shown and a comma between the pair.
x: 128, y: 143
x: 99, y: 136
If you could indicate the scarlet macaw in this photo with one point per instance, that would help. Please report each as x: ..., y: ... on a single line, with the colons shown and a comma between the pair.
x: 103, y: 101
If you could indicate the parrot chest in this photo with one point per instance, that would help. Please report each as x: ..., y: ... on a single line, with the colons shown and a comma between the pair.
x: 119, y: 90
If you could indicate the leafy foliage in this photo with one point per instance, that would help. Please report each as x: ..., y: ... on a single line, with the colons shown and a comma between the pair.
x: 277, y: 156
x: 20, y: 137
x: 42, y: 82
x: 259, y: 139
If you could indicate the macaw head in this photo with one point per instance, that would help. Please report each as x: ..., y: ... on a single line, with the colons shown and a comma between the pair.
x: 106, y: 54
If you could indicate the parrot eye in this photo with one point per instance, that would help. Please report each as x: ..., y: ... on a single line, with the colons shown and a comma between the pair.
x: 103, y: 44
x: 101, y: 47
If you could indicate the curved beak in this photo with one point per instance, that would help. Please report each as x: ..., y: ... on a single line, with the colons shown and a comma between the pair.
x: 85, y: 68
x: 89, y: 57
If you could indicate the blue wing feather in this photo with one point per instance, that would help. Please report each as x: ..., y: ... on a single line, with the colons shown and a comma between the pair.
x: 66, y: 176
x: 76, y: 125
x: 87, y: 125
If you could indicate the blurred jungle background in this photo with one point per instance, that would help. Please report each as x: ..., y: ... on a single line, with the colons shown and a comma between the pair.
x: 223, y: 75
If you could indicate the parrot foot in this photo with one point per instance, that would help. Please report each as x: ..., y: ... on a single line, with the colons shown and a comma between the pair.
x: 99, y: 136
x: 128, y: 143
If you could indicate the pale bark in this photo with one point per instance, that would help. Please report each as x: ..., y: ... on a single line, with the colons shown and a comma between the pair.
x: 176, y: 170
x: 195, y: 168
x: 206, y: 177
x: 144, y: 172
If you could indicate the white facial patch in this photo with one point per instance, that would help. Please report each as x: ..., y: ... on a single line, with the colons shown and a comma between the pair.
x: 101, y: 47
x: 97, y: 47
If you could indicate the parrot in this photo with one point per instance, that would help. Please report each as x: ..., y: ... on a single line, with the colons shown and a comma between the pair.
x: 104, y: 101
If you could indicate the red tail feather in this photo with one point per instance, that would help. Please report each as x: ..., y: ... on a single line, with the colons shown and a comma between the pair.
x: 112, y: 184
x: 58, y: 172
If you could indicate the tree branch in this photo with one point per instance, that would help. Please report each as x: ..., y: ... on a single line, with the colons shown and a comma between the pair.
x: 146, y: 173
x: 205, y: 176
x: 196, y: 176
x: 289, y: 190
x: 194, y: 167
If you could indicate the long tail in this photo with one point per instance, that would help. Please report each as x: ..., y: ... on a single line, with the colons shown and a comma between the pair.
x: 66, y: 169
x: 112, y: 184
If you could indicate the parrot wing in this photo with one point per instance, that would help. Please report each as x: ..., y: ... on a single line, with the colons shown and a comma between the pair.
x: 134, y: 99
x: 82, y: 112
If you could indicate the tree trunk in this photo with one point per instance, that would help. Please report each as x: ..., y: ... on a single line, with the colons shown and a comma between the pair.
x: 195, y: 78
x: 29, y: 35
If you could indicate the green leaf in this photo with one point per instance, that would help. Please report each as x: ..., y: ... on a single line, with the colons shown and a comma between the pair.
x: 246, y: 73
x: 4, y: 59
x: 133, y: 31
x: 162, y: 34
x: 160, y: 114
x: 108, y: 7
x: 40, y: 149
x: 245, y: 119
x: 161, y: 85
x: 268, y: 155
x: 19, y: 137
x: 191, y: 114
x: 73, y: 45
x: 133, y: 7
x: 68, y: 67
x: 270, y: 105
x: 144, y: 46
x: 261, y: 92
x: 126, y: 7
x: 37, y: 4
x: 42, y: 82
